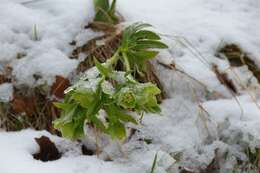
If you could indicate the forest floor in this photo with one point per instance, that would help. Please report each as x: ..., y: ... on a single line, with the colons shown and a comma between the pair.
x: 212, y: 106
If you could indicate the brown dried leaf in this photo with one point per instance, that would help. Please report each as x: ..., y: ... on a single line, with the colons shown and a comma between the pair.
x: 237, y: 57
x: 48, y: 150
x: 22, y: 104
x: 224, y: 80
x: 59, y: 86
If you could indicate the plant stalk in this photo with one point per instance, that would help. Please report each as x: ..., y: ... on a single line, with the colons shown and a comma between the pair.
x: 127, y: 64
x: 113, y: 60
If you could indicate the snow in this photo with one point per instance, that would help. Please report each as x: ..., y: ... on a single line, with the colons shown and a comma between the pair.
x: 6, y: 92
x: 199, y: 116
x: 18, y: 147
x: 42, y: 30
x: 243, y: 116
x: 205, y: 25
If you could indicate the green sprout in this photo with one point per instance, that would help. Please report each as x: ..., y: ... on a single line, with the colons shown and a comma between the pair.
x: 117, y: 93
x: 105, y: 12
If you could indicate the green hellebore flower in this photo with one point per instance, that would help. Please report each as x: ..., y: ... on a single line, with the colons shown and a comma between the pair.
x: 126, y: 98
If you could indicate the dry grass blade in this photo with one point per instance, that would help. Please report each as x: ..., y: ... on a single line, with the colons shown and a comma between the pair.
x: 224, y: 80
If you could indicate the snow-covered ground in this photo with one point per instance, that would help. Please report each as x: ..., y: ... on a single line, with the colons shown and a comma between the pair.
x: 196, y: 119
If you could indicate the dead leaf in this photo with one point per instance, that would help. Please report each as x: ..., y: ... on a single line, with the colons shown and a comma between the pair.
x: 224, y: 80
x: 59, y: 86
x: 24, y: 104
x: 237, y: 58
x: 48, y: 150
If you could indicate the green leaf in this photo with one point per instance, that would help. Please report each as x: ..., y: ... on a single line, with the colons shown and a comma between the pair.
x: 102, y: 69
x: 66, y: 117
x: 72, y: 131
x: 84, y: 97
x: 146, y: 97
x: 143, y: 55
x: 105, y: 12
x: 104, y: 4
x: 111, y: 113
x: 98, y: 123
x: 126, y: 118
x: 71, y: 124
x: 146, y: 34
x: 115, y: 113
x: 136, y: 43
x: 130, y: 31
x: 149, y: 44
x: 117, y: 130
x: 63, y: 106
x: 107, y: 88
x: 150, y: 88
x: 113, y: 7
x: 67, y: 130
x: 138, y: 26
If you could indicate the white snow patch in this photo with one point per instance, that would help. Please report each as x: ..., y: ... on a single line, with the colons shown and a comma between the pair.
x: 42, y: 30
x: 6, y: 92
x: 206, y: 24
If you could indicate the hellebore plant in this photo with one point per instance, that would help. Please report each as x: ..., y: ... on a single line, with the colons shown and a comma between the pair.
x: 117, y: 93
x: 105, y: 12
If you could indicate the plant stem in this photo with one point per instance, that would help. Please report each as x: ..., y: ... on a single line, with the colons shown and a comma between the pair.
x: 113, y: 60
x: 127, y: 64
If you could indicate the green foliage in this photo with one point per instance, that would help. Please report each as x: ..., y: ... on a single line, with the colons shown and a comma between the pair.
x: 137, y: 44
x: 105, y: 12
x: 83, y: 105
x: 104, y: 98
